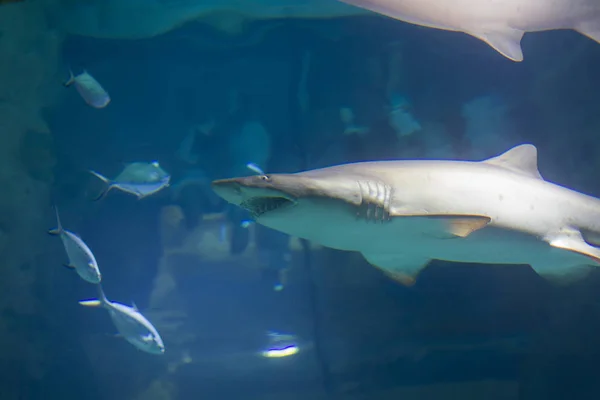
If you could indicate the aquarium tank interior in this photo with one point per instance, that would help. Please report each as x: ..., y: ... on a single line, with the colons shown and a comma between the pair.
x: 299, y: 200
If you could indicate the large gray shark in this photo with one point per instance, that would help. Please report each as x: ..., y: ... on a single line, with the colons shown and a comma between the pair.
x: 402, y: 214
x: 499, y: 23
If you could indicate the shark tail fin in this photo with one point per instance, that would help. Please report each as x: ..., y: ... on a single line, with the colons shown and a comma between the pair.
x: 59, y: 229
x: 590, y: 29
x: 107, y: 182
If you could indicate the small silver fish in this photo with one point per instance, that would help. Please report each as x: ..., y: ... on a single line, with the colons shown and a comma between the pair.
x: 255, y: 168
x: 80, y: 256
x: 141, y: 179
x: 130, y: 324
x: 280, y: 345
x: 89, y: 88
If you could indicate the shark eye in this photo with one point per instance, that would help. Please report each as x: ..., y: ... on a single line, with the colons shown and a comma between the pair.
x: 265, y: 178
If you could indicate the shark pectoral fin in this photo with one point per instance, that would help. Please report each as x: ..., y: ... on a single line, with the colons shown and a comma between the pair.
x: 573, y: 240
x: 444, y: 226
x: 463, y: 226
x: 562, y: 274
x: 506, y: 41
x: 402, y: 268
x: 590, y: 29
x: 401, y: 277
x: 459, y: 226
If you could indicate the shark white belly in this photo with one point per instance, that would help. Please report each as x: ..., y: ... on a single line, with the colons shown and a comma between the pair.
x: 402, y: 214
x: 499, y: 23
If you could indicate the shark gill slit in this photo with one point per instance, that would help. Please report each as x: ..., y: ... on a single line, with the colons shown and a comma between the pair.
x: 387, y: 200
x: 378, y: 205
x: 372, y: 213
x: 364, y: 200
x: 375, y: 201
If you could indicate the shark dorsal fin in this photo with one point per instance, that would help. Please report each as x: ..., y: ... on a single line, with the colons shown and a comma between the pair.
x: 521, y: 159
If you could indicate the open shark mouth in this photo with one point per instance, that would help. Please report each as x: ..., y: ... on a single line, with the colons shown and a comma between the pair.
x: 258, y: 206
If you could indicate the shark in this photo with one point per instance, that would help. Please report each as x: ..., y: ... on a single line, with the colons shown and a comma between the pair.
x: 402, y: 214
x: 499, y: 23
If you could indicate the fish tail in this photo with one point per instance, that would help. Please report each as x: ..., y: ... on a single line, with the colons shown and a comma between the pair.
x: 101, y: 177
x: 59, y: 229
x: 99, y: 302
x: 71, y: 79
x: 101, y: 295
x: 91, y: 303
x: 108, y: 183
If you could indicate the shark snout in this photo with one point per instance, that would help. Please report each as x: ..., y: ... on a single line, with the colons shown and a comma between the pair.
x: 229, y: 189
x: 256, y: 194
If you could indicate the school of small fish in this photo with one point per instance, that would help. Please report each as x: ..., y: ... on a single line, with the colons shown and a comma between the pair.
x: 129, y: 321
x: 141, y: 179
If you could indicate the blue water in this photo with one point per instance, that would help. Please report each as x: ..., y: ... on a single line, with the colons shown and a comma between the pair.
x: 462, y: 331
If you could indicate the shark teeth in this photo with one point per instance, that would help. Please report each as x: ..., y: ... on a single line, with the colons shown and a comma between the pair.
x: 258, y: 206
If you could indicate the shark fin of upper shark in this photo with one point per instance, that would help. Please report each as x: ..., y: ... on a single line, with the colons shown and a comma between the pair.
x: 500, y: 24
